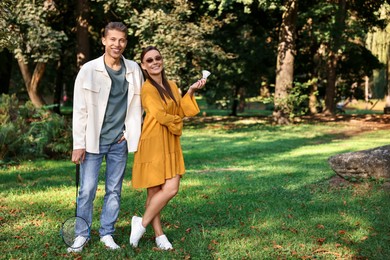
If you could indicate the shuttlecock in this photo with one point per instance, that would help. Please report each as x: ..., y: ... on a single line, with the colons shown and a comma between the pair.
x: 205, y: 74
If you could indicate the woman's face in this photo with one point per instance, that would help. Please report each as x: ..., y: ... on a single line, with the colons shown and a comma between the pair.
x: 152, y: 62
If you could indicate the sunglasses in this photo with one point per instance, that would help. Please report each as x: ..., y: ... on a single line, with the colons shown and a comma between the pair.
x: 150, y: 60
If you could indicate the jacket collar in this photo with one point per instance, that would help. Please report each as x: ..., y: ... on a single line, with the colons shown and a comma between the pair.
x: 101, y: 67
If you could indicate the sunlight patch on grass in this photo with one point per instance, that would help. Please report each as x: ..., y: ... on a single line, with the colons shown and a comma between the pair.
x: 251, y: 191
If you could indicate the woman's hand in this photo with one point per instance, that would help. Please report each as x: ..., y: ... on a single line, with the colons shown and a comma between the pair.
x: 197, y: 85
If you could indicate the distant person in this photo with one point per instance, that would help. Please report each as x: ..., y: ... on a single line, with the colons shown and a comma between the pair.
x: 158, y: 162
x: 107, y: 118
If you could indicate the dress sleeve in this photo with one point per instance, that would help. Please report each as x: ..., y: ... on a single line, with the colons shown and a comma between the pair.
x: 189, y: 106
x: 152, y: 103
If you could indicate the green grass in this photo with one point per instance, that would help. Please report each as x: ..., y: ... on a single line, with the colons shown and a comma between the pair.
x: 251, y: 191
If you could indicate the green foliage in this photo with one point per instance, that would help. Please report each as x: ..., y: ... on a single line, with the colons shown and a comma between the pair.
x: 298, y: 99
x: 28, y: 132
x: 181, y: 35
x: 29, y: 33
x: 12, y: 128
x: 377, y: 42
x: 235, y: 39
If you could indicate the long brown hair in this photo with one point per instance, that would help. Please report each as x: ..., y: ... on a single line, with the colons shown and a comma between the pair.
x: 163, y: 92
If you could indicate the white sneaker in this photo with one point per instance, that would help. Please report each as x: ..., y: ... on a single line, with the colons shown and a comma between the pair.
x: 77, y: 245
x: 137, y: 231
x: 109, y: 242
x: 163, y: 243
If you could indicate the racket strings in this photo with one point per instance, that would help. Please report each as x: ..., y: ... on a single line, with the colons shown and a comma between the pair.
x: 72, y: 228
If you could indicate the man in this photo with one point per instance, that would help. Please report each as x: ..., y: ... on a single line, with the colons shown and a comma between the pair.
x: 107, y: 117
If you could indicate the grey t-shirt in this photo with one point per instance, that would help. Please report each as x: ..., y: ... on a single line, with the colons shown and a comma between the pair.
x: 114, y: 119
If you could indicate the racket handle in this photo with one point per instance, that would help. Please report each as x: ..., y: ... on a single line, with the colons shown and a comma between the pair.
x: 77, y: 184
x: 77, y: 174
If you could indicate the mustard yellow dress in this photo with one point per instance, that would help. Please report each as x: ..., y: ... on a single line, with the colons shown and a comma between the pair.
x: 159, y: 155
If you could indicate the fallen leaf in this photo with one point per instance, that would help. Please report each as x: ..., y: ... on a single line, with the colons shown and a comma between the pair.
x: 320, y: 226
x: 321, y: 240
x: 19, y: 178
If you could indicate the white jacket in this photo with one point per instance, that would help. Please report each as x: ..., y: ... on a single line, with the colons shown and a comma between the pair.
x: 91, y: 92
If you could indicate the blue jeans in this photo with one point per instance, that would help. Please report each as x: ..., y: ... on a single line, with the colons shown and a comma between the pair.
x: 116, y: 158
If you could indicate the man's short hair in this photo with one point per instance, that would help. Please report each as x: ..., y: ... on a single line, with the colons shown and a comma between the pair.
x: 119, y: 26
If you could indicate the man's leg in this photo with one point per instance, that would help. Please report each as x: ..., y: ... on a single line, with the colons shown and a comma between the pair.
x: 89, y: 173
x: 116, y: 160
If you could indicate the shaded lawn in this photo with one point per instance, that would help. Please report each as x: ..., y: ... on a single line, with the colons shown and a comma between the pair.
x: 252, y: 191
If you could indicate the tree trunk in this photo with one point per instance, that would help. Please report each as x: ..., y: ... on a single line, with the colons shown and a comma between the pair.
x: 388, y: 78
x: 235, y: 102
x: 58, y: 89
x: 5, y: 70
x: 330, y: 106
x: 241, y: 100
x: 333, y: 58
x: 83, y: 49
x: 32, y: 82
x: 313, y: 99
x: 285, y: 63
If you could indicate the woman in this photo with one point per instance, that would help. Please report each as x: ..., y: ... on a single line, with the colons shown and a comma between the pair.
x: 158, y: 162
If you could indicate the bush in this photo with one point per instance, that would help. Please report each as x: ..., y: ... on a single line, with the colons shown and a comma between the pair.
x: 28, y: 132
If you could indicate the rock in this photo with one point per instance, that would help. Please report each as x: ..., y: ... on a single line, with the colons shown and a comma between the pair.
x: 371, y: 163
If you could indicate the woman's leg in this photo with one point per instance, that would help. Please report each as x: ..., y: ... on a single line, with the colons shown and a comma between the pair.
x: 156, y: 222
x: 158, y: 201
x: 157, y: 198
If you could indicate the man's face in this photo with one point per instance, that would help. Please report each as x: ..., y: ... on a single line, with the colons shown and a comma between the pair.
x: 115, y: 43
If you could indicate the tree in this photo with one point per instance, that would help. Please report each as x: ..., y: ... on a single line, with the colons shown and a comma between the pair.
x: 340, y: 24
x: 83, y: 47
x: 32, y: 40
x: 334, y: 56
x: 285, y: 63
x: 378, y: 41
x: 249, y: 38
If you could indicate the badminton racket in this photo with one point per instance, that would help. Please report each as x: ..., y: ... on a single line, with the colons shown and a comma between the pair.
x: 75, y: 226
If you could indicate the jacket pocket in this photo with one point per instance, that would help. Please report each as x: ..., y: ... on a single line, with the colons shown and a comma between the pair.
x: 91, y: 94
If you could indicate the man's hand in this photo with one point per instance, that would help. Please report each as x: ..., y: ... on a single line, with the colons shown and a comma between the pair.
x: 78, y: 156
x: 122, y: 139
